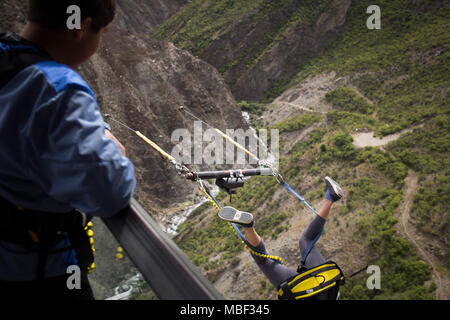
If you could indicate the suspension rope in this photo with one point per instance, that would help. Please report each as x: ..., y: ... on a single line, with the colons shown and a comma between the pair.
x: 280, y: 179
x: 147, y: 140
x: 181, y: 169
x: 299, y: 197
x: 185, y: 172
x: 278, y: 176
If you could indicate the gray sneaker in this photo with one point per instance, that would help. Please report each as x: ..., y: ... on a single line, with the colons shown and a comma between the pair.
x: 333, y: 191
x: 233, y: 215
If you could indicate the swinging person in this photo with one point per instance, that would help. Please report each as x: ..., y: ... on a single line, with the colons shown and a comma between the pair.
x: 278, y: 273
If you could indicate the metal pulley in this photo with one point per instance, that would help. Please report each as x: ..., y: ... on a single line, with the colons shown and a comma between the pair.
x: 230, y: 184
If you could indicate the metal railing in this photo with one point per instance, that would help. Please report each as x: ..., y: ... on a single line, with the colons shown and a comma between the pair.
x: 163, y: 265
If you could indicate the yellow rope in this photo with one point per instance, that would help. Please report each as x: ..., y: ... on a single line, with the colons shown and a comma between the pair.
x: 172, y: 159
x: 276, y: 258
x: 236, y: 144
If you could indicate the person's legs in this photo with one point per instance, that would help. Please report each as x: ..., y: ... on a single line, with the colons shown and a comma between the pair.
x: 311, y: 235
x: 275, y: 272
x: 307, y: 241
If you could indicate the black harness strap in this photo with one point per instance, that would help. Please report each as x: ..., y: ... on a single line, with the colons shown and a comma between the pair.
x: 39, y: 230
x: 17, y: 54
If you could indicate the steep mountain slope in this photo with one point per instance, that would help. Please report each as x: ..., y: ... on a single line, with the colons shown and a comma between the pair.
x: 255, y: 44
x: 142, y: 82
x: 139, y: 16
x: 364, y: 80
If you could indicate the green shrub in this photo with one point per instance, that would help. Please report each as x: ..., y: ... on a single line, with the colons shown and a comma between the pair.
x: 273, y: 224
x: 349, y: 121
x: 252, y: 107
x: 425, y: 149
x: 297, y: 123
x: 340, y: 146
x: 385, y: 163
x: 430, y: 205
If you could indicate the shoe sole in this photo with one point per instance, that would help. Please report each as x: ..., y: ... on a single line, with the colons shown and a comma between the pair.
x: 336, y: 188
x: 232, y: 215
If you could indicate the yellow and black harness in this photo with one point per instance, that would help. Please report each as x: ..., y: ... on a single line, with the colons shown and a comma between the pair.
x: 310, y: 283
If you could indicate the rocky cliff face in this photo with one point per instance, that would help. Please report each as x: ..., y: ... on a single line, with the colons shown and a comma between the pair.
x: 139, y: 16
x: 298, y: 45
x: 142, y: 83
x: 258, y: 47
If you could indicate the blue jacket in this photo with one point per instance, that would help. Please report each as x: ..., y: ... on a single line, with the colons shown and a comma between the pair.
x: 54, y: 155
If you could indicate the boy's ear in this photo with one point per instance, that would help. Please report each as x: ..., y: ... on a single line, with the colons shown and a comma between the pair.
x: 85, y: 28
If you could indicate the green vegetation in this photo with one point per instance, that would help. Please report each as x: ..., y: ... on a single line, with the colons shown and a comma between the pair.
x: 430, y: 209
x: 195, y: 27
x: 252, y: 107
x: 273, y: 225
x: 297, y: 123
x: 290, y: 165
x: 276, y: 88
x: 202, y: 22
x: 349, y: 121
x: 201, y: 244
x: 384, y: 162
x: 375, y: 201
x: 348, y: 99
x: 256, y: 192
x: 426, y: 149
x: 403, y: 274
x: 314, y: 137
x: 228, y: 32
x: 403, y: 68
x: 340, y: 146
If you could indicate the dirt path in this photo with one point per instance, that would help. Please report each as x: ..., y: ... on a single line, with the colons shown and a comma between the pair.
x: 300, y: 107
x: 411, y: 234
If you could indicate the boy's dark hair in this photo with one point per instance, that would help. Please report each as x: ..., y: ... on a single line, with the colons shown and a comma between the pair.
x: 53, y: 14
